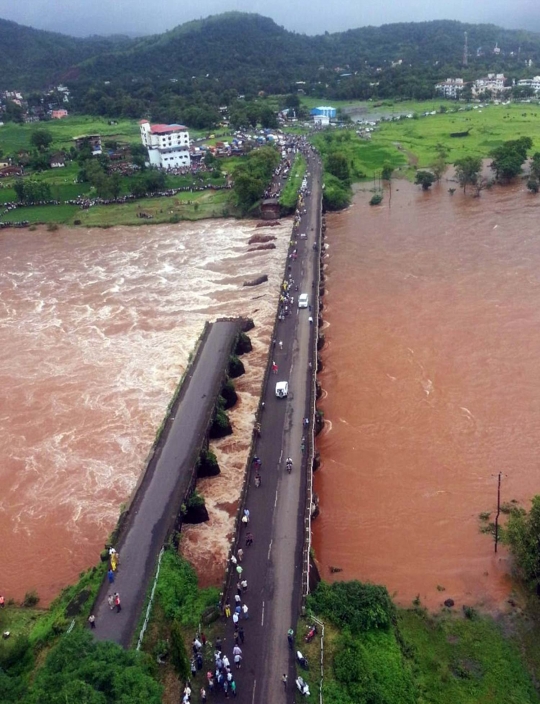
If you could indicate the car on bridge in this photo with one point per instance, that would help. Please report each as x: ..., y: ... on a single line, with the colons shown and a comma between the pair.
x: 303, y: 300
x: 282, y: 389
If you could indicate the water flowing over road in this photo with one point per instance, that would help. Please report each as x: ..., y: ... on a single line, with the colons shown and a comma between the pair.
x: 96, y: 327
x: 432, y: 387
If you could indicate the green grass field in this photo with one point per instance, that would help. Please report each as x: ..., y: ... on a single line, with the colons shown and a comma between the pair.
x: 416, y: 142
x: 183, y: 206
x: 15, y: 137
x: 490, y: 126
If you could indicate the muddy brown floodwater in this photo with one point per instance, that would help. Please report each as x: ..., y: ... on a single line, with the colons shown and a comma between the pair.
x: 432, y: 387
x: 96, y: 327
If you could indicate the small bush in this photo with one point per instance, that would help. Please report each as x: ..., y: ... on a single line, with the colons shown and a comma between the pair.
x: 30, y: 599
x: 360, y: 607
x: 52, y: 227
x: 376, y: 199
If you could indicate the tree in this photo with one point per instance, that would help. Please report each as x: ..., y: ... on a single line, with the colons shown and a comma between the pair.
x: 268, y: 118
x: 522, y: 534
x: 252, y: 176
x: 336, y: 195
x: 338, y: 165
x: 535, y: 165
x: 78, y: 669
x: 41, y: 139
x: 424, y: 179
x: 467, y: 170
x: 387, y: 171
x: 292, y: 101
x: 508, y: 159
x: 30, y: 191
x: 438, y: 166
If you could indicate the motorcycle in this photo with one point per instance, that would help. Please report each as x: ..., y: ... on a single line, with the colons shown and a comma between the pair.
x: 302, y: 660
x: 310, y: 635
x: 303, y: 687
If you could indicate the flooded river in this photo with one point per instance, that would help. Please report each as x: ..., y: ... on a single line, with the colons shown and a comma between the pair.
x: 432, y: 387
x: 96, y: 327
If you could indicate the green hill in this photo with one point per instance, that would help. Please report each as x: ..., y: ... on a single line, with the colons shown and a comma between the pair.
x: 248, y: 53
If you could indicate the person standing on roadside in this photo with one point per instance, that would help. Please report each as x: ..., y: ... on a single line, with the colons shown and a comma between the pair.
x: 284, y: 679
x: 117, y: 603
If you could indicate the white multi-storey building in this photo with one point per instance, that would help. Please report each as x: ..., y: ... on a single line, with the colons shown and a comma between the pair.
x: 168, y: 145
x: 493, y: 83
x: 451, y: 88
x: 533, y: 83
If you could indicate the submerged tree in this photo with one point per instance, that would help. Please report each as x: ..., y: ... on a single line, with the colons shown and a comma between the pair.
x: 508, y: 159
x: 467, y: 170
x: 425, y: 179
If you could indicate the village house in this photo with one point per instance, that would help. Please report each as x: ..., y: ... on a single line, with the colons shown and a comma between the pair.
x: 8, y: 171
x: 492, y: 83
x: 451, y: 88
x: 93, y: 140
x: 168, y: 145
x: 57, y: 161
x: 59, y: 114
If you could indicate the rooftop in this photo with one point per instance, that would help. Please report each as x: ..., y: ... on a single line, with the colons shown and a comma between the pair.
x: 166, y: 129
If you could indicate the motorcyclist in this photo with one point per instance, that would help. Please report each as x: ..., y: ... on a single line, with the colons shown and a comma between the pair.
x: 290, y: 637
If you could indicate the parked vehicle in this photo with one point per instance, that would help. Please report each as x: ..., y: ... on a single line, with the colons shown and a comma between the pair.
x: 303, y: 687
x: 310, y: 635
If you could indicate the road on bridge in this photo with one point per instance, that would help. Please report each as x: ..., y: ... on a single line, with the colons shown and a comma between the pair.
x: 158, y: 499
x: 273, y: 564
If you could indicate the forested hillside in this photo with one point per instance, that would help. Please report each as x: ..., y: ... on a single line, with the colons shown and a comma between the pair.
x: 209, y: 61
x: 32, y: 58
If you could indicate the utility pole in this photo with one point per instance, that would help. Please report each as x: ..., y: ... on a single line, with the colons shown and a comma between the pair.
x: 498, y: 510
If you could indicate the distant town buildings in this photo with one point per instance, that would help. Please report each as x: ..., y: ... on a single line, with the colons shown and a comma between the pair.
x: 326, y: 110
x: 58, y: 114
x: 451, y: 88
x: 492, y: 83
x: 168, y: 145
x: 533, y: 83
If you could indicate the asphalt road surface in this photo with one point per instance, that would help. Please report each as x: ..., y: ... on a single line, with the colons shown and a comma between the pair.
x: 273, y: 564
x: 158, y: 501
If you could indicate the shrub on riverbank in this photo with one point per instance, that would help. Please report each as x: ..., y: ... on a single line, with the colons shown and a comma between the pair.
x: 177, y: 592
x: 413, y: 656
x: 336, y: 195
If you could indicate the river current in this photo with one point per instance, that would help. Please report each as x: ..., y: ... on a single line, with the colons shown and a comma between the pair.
x: 432, y: 387
x: 96, y: 328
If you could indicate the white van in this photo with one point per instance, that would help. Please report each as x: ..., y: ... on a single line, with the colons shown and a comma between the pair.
x: 282, y: 389
x: 303, y: 300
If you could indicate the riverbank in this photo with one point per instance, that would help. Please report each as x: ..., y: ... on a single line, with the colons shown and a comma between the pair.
x: 443, y: 658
